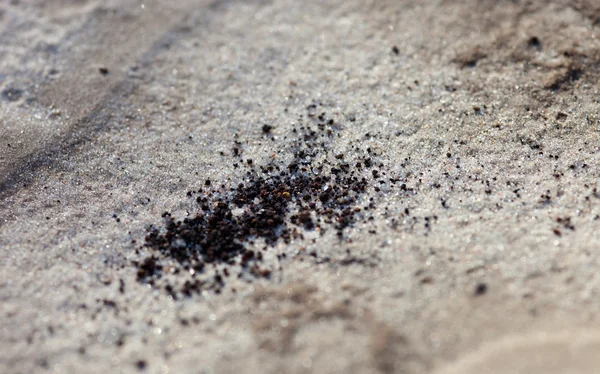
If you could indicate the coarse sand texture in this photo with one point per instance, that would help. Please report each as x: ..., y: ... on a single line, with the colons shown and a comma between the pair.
x: 280, y: 186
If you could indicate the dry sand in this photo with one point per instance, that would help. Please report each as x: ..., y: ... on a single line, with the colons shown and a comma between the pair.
x: 486, y: 111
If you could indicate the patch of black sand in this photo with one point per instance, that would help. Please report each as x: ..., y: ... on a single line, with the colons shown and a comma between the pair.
x: 277, y: 203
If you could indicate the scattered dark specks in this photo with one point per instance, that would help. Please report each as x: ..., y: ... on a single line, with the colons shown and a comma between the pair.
x: 141, y: 364
x: 12, y: 94
x: 561, y: 117
x: 444, y: 203
x: 566, y: 223
x: 480, y: 289
x: 535, y: 43
x: 148, y: 268
x: 267, y: 129
x: 276, y: 202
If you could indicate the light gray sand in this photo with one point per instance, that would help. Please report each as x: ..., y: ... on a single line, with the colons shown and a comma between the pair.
x: 494, y: 130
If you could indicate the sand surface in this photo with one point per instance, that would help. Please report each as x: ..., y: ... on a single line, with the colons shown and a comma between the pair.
x: 472, y: 249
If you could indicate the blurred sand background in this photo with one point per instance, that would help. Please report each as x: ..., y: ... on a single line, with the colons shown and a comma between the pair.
x: 487, y: 110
